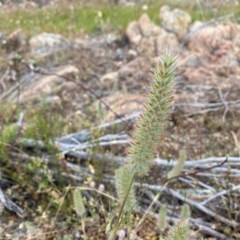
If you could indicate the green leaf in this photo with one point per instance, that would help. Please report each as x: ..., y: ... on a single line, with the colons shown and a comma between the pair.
x: 78, y: 202
x: 178, y: 166
x: 185, y: 212
x: 162, y: 218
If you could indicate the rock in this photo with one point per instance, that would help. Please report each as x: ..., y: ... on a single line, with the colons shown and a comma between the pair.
x: 218, y: 48
x: 136, y: 74
x: 212, y: 39
x: 197, y: 25
x: 53, y: 88
x: 112, y: 38
x: 119, y: 54
x: 47, y: 43
x: 131, y: 54
x: 176, y: 21
x: 143, y: 28
x: 156, y: 45
x: 109, y: 80
x: 166, y: 41
x: 190, y: 61
x: 123, y: 104
x: 133, y: 33
x: 146, y: 26
x: 148, y: 38
x: 147, y: 47
x: 200, y: 76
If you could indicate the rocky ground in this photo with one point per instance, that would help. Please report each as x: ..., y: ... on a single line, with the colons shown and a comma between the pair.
x: 112, y: 72
x: 116, y: 67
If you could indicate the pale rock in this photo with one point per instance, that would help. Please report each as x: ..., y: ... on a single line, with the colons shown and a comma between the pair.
x: 197, y: 25
x: 47, y: 43
x: 109, y: 76
x: 112, y: 76
x: 123, y: 104
x: 200, y: 76
x: 216, y: 41
x: 145, y: 25
x: 119, y: 54
x: 112, y: 38
x: 156, y: 30
x: 109, y: 80
x: 176, y: 21
x: 166, y: 41
x: 147, y: 47
x: 51, y: 88
x: 131, y: 54
x: 150, y: 39
x: 154, y: 37
x: 136, y: 73
x: 133, y: 33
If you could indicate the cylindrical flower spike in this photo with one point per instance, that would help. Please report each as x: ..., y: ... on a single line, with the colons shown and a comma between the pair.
x: 153, y: 119
x: 150, y: 126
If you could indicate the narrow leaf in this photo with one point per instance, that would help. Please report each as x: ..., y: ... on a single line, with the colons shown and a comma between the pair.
x: 185, y: 212
x: 162, y: 218
x: 178, y: 166
x: 78, y: 202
